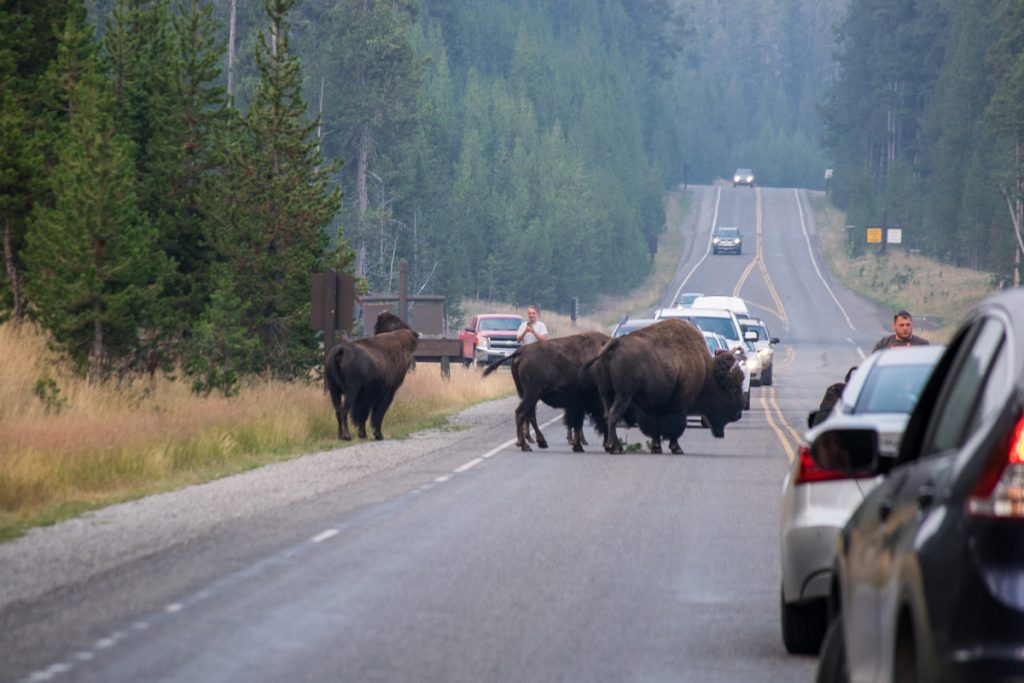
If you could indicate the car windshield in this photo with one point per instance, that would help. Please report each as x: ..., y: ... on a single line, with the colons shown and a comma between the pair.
x: 743, y: 171
x: 631, y: 326
x: 500, y: 324
x: 728, y: 232
x: 762, y: 334
x: 722, y: 326
x: 892, y: 389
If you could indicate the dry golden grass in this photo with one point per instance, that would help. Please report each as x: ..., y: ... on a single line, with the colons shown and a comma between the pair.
x: 928, y: 289
x: 113, y: 442
x: 67, y: 445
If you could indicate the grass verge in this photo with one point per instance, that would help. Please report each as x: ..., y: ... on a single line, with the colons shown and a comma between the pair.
x: 937, y: 294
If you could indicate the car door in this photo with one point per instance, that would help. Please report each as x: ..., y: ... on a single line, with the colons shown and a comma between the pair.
x: 468, y: 336
x: 908, y: 497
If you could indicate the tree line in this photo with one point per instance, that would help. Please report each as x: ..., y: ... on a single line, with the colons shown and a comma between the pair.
x: 173, y: 170
x: 925, y: 121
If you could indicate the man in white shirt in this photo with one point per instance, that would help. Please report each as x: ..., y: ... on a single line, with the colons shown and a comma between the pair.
x: 532, y: 330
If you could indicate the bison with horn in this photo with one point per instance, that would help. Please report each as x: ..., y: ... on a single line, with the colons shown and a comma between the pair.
x: 658, y: 375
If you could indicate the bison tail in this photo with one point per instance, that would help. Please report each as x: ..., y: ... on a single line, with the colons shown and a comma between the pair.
x: 608, y: 347
x: 331, y: 370
x: 495, y: 363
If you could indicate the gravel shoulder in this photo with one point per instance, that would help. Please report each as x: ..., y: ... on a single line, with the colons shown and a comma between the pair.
x: 76, y: 550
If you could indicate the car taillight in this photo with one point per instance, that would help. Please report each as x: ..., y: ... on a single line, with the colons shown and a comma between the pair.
x: 809, y: 471
x: 999, y: 491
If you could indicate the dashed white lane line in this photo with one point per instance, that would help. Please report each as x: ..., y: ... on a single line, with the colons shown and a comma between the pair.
x: 472, y: 463
x: 324, y: 535
x: 55, y: 670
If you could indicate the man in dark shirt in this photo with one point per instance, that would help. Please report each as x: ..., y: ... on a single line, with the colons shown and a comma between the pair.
x: 903, y: 334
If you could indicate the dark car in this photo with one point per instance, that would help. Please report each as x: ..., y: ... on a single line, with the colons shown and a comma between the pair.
x: 627, y: 325
x: 929, y: 577
x: 727, y: 239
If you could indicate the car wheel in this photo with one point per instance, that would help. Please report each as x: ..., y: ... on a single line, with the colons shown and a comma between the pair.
x: 739, y: 251
x: 766, y: 377
x: 714, y: 250
x: 832, y: 664
x: 803, y: 625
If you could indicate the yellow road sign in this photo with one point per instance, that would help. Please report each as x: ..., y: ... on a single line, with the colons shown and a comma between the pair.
x: 874, y: 235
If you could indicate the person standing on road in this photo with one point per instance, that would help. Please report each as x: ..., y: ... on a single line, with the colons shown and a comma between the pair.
x: 903, y: 334
x: 532, y: 330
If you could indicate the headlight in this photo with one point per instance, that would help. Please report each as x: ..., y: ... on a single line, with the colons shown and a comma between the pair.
x: 714, y: 240
x: 736, y: 179
x: 483, y: 343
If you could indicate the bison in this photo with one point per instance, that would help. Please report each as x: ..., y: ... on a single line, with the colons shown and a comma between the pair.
x: 363, y: 376
x: 658, y: 375
x: 551, y: 371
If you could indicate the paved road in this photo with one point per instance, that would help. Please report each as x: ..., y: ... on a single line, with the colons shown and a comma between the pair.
x: 452, y: 556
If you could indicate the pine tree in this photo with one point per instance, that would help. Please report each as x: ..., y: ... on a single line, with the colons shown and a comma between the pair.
x: 271, y: 207
x: 95, y: 274
x: 26, y: 131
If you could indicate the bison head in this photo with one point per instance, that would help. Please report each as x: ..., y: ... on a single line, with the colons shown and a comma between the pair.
x: 722, y: 397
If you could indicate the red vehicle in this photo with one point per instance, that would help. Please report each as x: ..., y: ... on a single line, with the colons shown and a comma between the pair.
x: 489, y: 336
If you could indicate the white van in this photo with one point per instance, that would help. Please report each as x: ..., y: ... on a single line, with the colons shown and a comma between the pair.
x: 729, y: 303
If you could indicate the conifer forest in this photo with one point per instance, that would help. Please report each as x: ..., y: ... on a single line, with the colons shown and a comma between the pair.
x: 172, y: 171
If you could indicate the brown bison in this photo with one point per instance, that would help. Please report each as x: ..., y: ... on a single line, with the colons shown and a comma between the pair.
x: 552, y: 371
x: 363, y: 376
x: 658, y: 375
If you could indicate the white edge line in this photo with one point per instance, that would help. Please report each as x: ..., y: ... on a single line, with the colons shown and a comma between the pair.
x: 714, y: 220
x: 324, y: 535
x: 814, y: 263
x: 472, y: 463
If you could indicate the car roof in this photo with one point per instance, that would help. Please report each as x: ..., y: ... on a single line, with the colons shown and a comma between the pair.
x: 499, y: 315
x: 632, y: 325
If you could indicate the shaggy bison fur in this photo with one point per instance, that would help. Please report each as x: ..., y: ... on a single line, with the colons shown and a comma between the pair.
x: 363, y: 376
x: 552, y: 371
x: 658, y: 375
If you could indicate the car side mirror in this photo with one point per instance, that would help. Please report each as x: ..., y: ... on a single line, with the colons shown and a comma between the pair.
x: 774, y: 341
x: 851, y: 451
x: 469, y: 329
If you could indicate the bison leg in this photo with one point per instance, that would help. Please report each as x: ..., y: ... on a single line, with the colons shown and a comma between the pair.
x: 574, y: 428
x: 522, y: 432
x: 341, y: 403
x: 360, y: 412
x: 674, y: 446
x: 656, y: 445
x: 541, y: 441
x: 619, y: 407
x: 377, y: 419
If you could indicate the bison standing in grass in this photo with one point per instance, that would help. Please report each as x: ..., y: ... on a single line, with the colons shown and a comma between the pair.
x: 658, y: 375
x: 363, y: 376
x: 552, y: 371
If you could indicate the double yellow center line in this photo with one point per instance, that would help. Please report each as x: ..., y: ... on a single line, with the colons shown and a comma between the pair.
x: 783, y: 430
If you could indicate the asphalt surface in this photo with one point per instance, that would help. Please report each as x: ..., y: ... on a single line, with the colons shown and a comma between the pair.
x: 453, y: 556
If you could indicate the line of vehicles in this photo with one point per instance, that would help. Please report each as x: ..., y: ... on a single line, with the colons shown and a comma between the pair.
x: 728, y: 328
x: 902, y: 521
